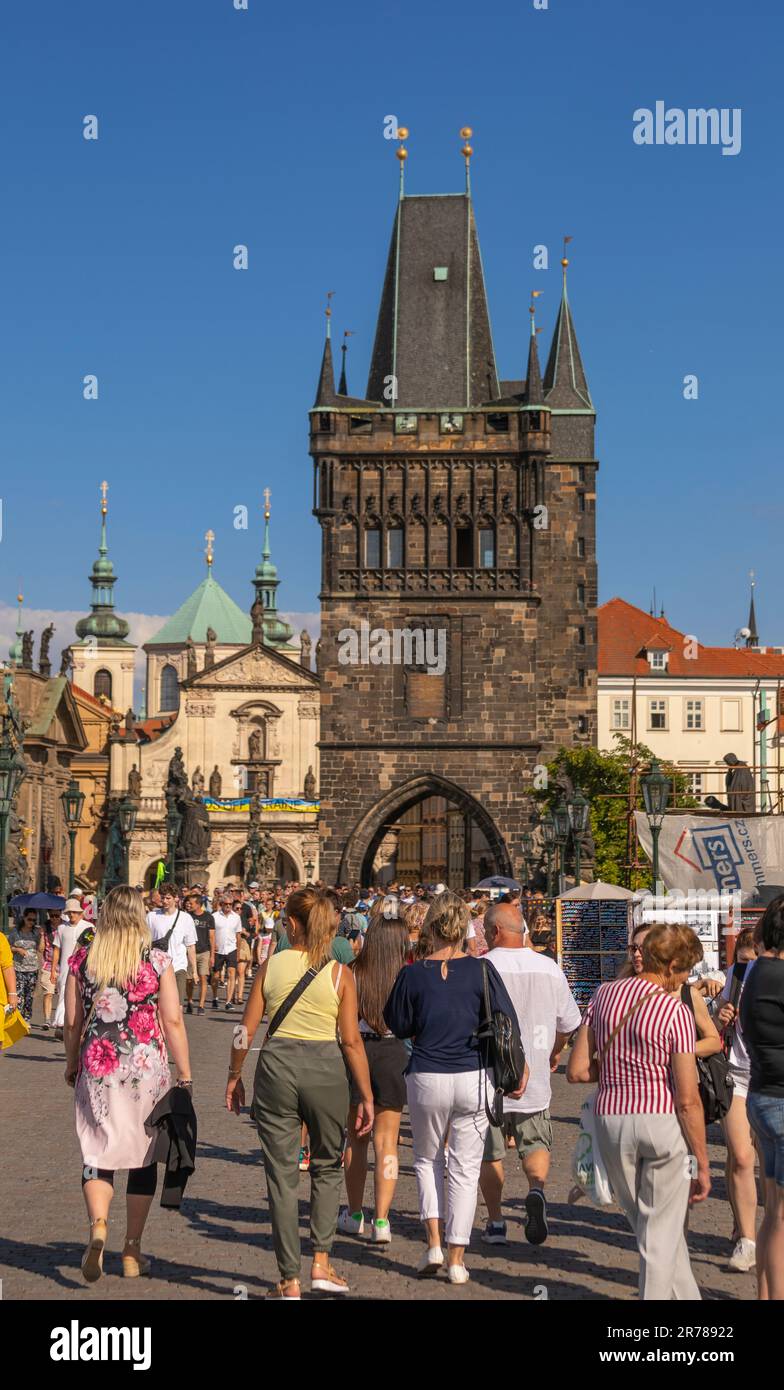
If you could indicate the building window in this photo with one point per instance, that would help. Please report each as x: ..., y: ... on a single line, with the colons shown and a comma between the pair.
x: 373, y: 549
x: 620, y: 714
x: 581, y: 636
x: 534, y: 420
x: 581, y: 677
x: 325, y: 422
x: 581, y: 473
x: 695, y: 714
x: 731, y: 722
x: 486, y: 547
x: 360, y: 424
x: 581, y: 501
x: 580, y: 548
x: 102, y: 685
x: 582, y: 724
x: 497, y: 424
x: 581, y: 593
x: 694, y: 783
x: 657, y: 714
x: 657, y: 660
x: 464, y: 547
x: 395, y: 548
x: 170, y: 689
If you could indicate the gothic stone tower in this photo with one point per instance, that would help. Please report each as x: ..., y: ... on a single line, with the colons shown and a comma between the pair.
x: 451, y: 501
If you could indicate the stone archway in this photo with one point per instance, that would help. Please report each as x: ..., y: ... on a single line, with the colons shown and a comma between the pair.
x: 365, y: 838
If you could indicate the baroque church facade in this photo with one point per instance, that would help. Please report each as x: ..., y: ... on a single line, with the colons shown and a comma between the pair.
x: 460, y: 506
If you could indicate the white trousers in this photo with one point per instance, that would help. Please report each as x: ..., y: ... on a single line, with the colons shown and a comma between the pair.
x: 448, y: 1108
x: 647, y: 1163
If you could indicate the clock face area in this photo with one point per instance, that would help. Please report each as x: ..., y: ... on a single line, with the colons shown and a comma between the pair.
x: 451, y: 423
x: 405, y: 424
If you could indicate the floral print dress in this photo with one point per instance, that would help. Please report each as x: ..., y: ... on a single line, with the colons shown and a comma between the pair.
x: 123, y: 1065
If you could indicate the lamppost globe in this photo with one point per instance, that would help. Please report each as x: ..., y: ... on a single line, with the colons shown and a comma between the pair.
x: 656, y: 790
x: 561, y: 821
x: 127, y: 814
x: 579, y: 811
x: 72, y: 802
x: 309, y: 869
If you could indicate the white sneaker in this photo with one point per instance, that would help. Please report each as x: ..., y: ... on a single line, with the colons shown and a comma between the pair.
x: 350, y: 1224
x: 431, y: 1262
x: 457, y: 1274
x: 744, y: 1256
x: 380, y: 1233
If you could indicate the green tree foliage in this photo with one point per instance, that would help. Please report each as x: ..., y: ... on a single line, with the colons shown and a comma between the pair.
x: 604, y: 777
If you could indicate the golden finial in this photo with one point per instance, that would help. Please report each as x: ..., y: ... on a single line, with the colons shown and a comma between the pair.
x: 566, y: 241
x: 267, y: 496
x: 467, y: 150
x: 209, y: 537
x: 104, y: 490
x: 20, y: 598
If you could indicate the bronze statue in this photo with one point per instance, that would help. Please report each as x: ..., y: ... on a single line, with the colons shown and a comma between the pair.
x: 306, y: 646
x: 216, y: 782
x: 27, y: 650
x: 190, y: 657
x: 66, y: 661
x: 310, y: 785
x: 177, y: 781
x: 134, y: 782
x: 209, y: 651
x: 257, y: 618
x: 44, y: 664
x: 254, y: 746
x: 193, y: 841
x: 268, y: 856
x: 739, y: 783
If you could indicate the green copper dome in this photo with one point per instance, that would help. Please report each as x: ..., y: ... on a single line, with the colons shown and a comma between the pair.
x: 103, y: 624
x: 208, y: 606
x: 277, y: 633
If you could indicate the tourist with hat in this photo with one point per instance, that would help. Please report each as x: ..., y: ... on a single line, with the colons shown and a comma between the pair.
x: 65, y: 938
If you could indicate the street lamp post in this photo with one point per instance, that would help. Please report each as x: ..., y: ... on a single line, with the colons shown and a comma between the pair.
x: 561, y: 820
x: 548, y: 836
x: 72, y: 802
x: 309, y: 870
x: 579, y: 812
x: 12, y: 774
x: 528, y: 854
x: 656, y: 790
x: 126, y: 814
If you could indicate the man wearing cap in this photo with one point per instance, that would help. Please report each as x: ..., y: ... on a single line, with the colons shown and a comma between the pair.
x: 65, y: 938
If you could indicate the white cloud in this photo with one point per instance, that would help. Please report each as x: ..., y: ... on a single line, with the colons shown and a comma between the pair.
x: 311, y: 621
x: 143, y: 627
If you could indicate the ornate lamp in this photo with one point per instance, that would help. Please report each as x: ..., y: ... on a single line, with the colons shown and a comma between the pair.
x: 656, y: 789
x: 72, y: 802
x: 579, y: 811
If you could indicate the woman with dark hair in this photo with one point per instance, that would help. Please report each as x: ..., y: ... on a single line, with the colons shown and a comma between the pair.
x: 762, y: 1022
x: 638, y: 1041
x: 377, y: 967
x: 301, y: 1079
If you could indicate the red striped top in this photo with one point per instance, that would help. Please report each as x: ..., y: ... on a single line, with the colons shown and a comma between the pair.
x: 636, y: 1078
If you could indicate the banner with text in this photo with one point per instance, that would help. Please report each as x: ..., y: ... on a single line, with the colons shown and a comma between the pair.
x: 732, y: 855
x: 297, y: 804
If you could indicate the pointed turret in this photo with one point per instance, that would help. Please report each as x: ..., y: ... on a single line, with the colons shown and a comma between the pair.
x: 565, y: 383
x: 277, y: 633
x: 326, y: 394
x: 103, y: 625
x: 343, y: 387
x: 534, y: 392
x: 753, y: 638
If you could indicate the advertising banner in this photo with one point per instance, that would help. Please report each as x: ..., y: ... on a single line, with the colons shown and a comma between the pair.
x: 725, y: 855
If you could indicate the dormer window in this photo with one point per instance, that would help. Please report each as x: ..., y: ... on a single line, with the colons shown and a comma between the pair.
x: 657, y: 659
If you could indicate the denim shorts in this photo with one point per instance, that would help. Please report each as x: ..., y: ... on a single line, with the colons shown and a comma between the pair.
x: 766, y: 1117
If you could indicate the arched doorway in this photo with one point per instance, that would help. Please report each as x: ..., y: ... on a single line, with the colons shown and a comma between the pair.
x: 443, y: 835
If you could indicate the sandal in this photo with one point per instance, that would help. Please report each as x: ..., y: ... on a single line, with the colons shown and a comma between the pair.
x: 92, y: 1259
x: 134, y: 1264
x: 329, y: 1281
x: 278, y: 1292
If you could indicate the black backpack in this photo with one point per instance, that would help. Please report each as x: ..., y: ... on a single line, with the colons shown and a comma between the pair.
x: 713, y: 1076
x: 502, y: 1051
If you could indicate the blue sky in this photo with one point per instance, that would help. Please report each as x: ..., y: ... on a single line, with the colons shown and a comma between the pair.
x: 265, y: 127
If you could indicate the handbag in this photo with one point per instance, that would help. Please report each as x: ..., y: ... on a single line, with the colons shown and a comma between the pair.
x: 502, y: 1053
x: 713, y: 1075
x: 12, y: 1028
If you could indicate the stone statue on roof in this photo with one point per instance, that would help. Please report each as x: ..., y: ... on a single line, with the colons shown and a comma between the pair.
x: 257, y: 618
x: 306, y: 646
x: 190, y: 657
x: 209, y: 651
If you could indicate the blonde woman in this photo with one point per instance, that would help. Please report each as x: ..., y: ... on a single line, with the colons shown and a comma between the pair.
x: 121, y: 1011
x: 301, y: 1079
x: 439, y: 1002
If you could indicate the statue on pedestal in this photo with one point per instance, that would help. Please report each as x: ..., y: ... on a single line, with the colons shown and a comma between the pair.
x: 739, y: 783
x: 197, y: 782
x: 254, y: 746
x: 268, y: 857
x: 209, y: 651
x: 44, y: 664
x: 190, y: 657
x: 306, y: 647
x: 310, y: 785
x: 134, y: 783
x: 66, y: 661
x: 216, y: 782
x: 27, y: 650
x: 257, y: 618
x: 177, y: 780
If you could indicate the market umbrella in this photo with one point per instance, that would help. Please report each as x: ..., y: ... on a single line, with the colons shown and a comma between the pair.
x: 510, y: 885
x: 588, y: 891
x: 43, y: 901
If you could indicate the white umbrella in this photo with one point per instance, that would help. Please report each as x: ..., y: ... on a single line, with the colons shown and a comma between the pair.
x: 604, y: 891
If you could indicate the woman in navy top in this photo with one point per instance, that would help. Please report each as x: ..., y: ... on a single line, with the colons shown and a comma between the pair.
x: 439, y: 1002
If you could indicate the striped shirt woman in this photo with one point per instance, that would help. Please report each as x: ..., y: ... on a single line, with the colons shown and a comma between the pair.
x: 636, y: 1077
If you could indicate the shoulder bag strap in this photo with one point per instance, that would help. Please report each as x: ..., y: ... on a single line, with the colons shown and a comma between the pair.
x: 292, y: 997
x: 167, y: 938
x: 600, y: 1056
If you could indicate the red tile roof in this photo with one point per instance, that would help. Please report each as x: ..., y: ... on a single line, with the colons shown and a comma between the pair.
x: 91, y: 699
x: 153, y: 728
x: 624, y: 630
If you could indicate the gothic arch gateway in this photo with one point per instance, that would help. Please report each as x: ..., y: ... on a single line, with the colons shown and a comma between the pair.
x: 360, y: 849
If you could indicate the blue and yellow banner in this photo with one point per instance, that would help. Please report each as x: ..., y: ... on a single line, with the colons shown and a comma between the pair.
x: 297, y: 804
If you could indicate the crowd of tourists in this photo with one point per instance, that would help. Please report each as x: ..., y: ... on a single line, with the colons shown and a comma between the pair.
x: 384, y: 1002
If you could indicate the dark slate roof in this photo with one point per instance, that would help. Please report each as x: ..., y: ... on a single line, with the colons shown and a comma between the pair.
x: 326, y: 394
x: 434, y: 335
x: 565, y: 383
x: 534, y: 391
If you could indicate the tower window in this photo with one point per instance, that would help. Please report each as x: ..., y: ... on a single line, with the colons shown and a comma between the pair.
x: 534, y: 420
x: 373, y: 549
x: 580, y: 548
x: 581, y: 501
x: 486, y: 548
x: 395, y: 548
x: 581, y: 473
x: 582, y: 724
x: 102, y: 685
x: 581, y: 593
x: 360, y: 424
x: 581, y: 636
x: 581, y: 677
x: 464, y: 548
x: 325, y: 422
x: 170, y: 689
x: 498, y: 424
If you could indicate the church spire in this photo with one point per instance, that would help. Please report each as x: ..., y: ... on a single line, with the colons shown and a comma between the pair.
x: 325, y: 395
x: 277, y: 633
x: 565, y: 383
x: 343, y: 387
x: 15, y: 650
x: 103, y: 624
x: 753, y: 638
x: 534, y: 393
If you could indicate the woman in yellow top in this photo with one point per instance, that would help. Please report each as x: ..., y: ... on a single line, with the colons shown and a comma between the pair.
x: 8, y: 994
x: 301, y: 1079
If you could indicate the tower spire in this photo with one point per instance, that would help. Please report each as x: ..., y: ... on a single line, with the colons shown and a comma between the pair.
x: 15, y: 650
x: 565, y: 382
x: 103, y: 625
x: 343, y: 386
x: 753, y: 638
x: 277, y: 633
x: 534, y: 393
x: 325, y: 393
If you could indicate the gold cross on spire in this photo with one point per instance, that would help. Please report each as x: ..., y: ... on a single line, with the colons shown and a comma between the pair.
x: 267, y: 496
x: 104, y: 490
x: 209, y: 537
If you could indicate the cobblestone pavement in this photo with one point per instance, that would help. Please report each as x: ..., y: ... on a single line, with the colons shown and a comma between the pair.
x: 219, y: 1245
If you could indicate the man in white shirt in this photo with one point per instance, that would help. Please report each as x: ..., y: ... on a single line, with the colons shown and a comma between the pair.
x: 228, y: 926
x: 547, y: 1015
x: 174, y: 931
